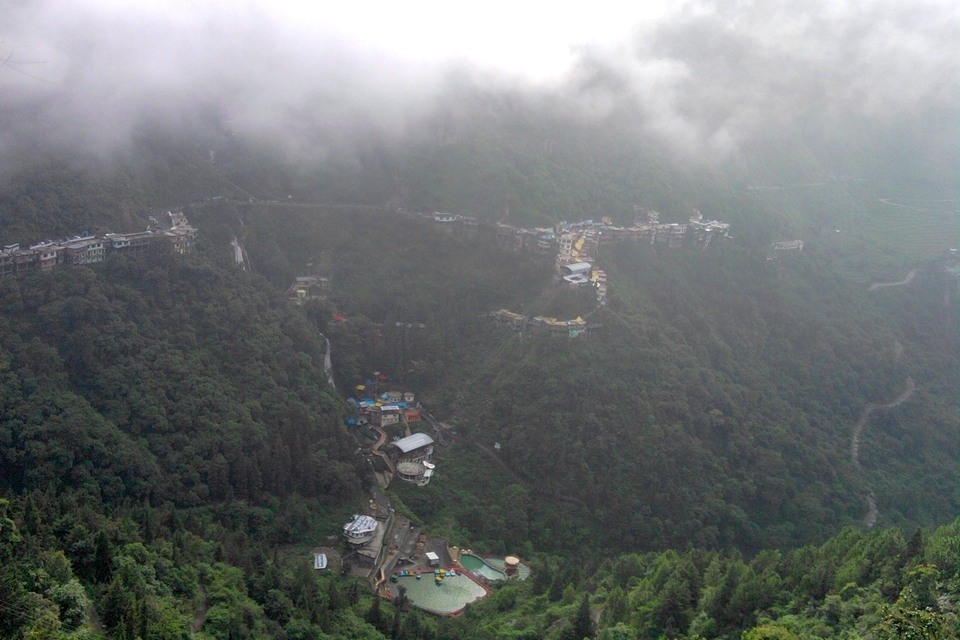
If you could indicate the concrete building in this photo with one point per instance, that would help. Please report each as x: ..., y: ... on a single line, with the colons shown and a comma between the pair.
x: 83, y: 251
x: 182, y: 239
x: 788, y: 245
x: 577, y: 269
x: 78, y: 250
x: 412, y: 455
x: 561, y: 328
x: 415, y: 448
x: 308, y: 288
x: 360, y: 530
x: 48, y: 255
x: 513, y: 320
x: 418, y: 473
x: 25, y: 260
x: 129, y: 243
x: 385, y: 415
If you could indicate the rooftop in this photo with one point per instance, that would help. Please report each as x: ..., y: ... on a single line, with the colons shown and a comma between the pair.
x: 360, y: 524
x: 415, y: 441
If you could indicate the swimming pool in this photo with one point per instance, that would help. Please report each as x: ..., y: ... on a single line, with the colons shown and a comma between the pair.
x: 449, y: 597
x: 491, y: 568
x: 480, y: 566
x: 523, y: 571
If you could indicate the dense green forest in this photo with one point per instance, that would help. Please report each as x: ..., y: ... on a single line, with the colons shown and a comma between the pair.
x: 714, y: 409
x: 171, y: 448
x: 165, y: 573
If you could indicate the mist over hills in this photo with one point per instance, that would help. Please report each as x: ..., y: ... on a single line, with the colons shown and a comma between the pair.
x: 172, y: 450
x: 867, y: 89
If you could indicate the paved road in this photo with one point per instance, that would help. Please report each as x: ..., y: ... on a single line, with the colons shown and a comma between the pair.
x: 870, y: 518
x: 899, y: 283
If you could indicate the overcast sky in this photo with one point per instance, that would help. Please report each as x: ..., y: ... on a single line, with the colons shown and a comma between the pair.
x: 704, y: 74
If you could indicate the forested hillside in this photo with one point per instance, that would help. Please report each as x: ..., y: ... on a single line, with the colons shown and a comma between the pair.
x: 169, y: 380
x: 171, y: 448
x: 715, y: 408
x: 160, y: 573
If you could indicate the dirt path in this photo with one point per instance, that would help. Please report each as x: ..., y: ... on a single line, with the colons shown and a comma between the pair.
x: 200, y: 616
x: 910, y: 276
x: 870, y: 518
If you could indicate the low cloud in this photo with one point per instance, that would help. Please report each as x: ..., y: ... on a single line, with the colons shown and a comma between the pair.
x: 708, y: 78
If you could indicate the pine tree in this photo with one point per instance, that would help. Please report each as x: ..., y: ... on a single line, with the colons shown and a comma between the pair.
x: 374, y: 615
x: 103, y: 559
x: 556, y: 589
x: 334, y: 601
x: 582, y: 625
x: 395, y: 627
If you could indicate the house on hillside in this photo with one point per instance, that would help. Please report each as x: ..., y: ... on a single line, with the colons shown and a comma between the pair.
x: 25, y: 260
x: 385, y: 415
x: 48, y: 255
x: 788, y: 245
x: 444, y: 221
x: 577, y: 269
x: 308, y: 288
x: 129, y: 243
x: 415, y: 448
x: 83, y: 251
x: 513, y: 320
x: 412, y: 457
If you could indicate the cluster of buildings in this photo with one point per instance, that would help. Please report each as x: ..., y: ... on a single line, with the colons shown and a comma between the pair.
x: 455, y: 224
x: 409, y: 458
x: 576, y: 328
x: 539, y: 241
x: 308, y: 288
x: 390, y: 408
x: 576, y: 245
x: 581, y: 240
x: 88, y: 249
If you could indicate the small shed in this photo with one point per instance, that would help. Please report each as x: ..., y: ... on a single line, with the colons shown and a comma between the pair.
x: 319, y: 561
x: 433, y: 559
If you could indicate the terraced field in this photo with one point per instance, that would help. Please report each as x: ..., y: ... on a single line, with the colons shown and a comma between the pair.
x: 923, y: 229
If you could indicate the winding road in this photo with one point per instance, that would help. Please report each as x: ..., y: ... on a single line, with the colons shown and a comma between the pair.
x: 889, y: 201
x: 900, y: 283
x: 870, y: 518
x: 869, y: 409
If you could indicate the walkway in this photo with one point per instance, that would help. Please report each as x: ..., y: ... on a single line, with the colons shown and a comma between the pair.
x: 380, y: 454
